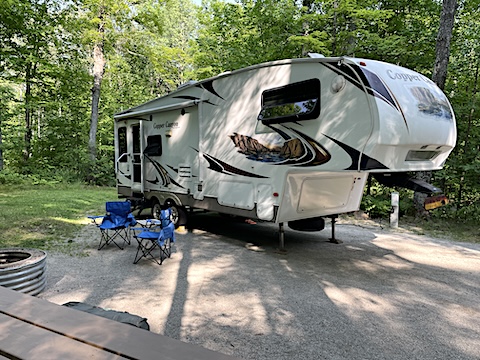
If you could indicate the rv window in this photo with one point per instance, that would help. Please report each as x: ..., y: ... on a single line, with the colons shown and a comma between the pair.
x: 154, y: 145
x: 293, y: 102
x: 122, y: 143
x: 136, y: 138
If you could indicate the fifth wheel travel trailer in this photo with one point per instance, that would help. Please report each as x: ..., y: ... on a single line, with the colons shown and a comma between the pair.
x: 285, y: 141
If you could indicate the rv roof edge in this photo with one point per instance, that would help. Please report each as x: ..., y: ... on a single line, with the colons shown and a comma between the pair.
x: 122, y: 116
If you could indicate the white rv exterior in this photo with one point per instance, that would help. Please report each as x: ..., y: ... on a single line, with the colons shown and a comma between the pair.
x: 282, y: 141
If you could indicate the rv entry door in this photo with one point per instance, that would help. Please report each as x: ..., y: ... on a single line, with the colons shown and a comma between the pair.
x: 128, y: 159
x: 136, y: 158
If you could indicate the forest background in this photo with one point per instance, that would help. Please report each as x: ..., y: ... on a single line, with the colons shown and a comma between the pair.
x: 68, y: 65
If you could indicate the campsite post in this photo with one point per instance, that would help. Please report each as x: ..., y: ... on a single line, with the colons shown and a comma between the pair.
x: 395, y: 210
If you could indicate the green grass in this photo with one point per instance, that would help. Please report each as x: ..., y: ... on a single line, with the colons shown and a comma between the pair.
x: 447, y: 229
x: 465, y: 231
x: 47, y: 216
x: 42, y: 216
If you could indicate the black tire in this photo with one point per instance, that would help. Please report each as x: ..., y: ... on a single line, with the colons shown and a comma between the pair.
x: 156, y: 210
x: 23, y: 270
x: 179, y: 215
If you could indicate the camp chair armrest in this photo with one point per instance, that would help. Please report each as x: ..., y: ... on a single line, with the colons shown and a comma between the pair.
x: 95, y: 218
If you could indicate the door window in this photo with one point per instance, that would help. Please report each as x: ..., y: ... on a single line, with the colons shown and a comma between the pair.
x: 122, y: 143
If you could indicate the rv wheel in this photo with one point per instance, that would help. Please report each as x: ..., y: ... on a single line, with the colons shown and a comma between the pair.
x: 156, y: 210
x: 179, y: 215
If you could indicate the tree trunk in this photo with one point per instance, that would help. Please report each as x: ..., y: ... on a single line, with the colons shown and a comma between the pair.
x: 28, y: 115
x: 98, y: 71
x: 442, y: 53
x: 334, y: 35
x: 442, y: 48
x: 418, y: 197
x: 1, y: 144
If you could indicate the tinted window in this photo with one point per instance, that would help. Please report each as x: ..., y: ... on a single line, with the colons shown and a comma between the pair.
x: 293, y: 102
x: 122, y: 143
x: 154, y: 146
x: 136, y: 138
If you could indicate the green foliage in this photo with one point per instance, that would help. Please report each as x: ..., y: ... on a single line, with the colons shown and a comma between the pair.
x: 377, y: 200
x: 233, y: 36
x: 376, y: 206
x: 101, y: 172
x: 152, y: 46
x: 11, y: 178
x: 461, y: 176
x: 51, y: 176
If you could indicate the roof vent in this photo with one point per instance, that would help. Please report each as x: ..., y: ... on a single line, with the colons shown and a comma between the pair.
x: 188, y: 83
x: 315, y: 55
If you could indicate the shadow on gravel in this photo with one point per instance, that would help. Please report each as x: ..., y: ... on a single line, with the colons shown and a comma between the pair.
x: 378, y: 295
x: 369, y: 297
x: 263, y: 234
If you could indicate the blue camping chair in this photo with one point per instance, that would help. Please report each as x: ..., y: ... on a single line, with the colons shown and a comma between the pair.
x: 156, y: 239
x: 115, y: 224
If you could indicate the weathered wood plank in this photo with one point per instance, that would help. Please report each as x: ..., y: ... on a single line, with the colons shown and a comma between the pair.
x: 125, y: 340
x: 21, y: 340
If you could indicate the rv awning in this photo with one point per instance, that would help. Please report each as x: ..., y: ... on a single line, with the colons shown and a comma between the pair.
x: 130, y: 114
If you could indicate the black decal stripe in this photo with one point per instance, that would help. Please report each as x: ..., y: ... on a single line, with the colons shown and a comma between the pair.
x: 186, y: 97
x: 282, y: 133
x: 381, y: 90
x: 161, y: 171
x: 129, y: 177
x: 164, y: 175
x: 321, y: 154
x: 366, y: 162
x: 175, y: 183
x: 224, y: 168
x: 213, y: 164
x: 173, y: 169
x: 371, y: 81
x: 208, y: 85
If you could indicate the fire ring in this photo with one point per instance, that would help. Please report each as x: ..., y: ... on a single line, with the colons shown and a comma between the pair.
x: 23, y: 270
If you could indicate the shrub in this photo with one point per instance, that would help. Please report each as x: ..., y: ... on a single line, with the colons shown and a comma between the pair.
x: 376, y: 206
x: 12, y: 178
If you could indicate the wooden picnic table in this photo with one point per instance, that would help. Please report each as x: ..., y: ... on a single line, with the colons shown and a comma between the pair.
x: 32, y: 328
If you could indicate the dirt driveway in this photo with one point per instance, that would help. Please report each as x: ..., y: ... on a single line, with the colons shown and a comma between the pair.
x: 378, y: 295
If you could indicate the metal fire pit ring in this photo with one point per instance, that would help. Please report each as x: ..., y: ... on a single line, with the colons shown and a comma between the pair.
x: 23, y: 270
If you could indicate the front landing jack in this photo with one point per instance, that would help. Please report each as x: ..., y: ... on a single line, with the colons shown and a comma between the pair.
x: 281, y: 239
x: 333, y: 239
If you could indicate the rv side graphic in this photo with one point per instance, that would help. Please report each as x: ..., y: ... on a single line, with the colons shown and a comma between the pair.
x: 282, y: 141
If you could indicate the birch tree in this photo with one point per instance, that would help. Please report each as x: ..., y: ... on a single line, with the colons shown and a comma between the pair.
x: 103, y: 18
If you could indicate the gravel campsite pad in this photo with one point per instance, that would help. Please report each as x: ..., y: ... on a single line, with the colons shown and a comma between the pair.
x: 381, y: 294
